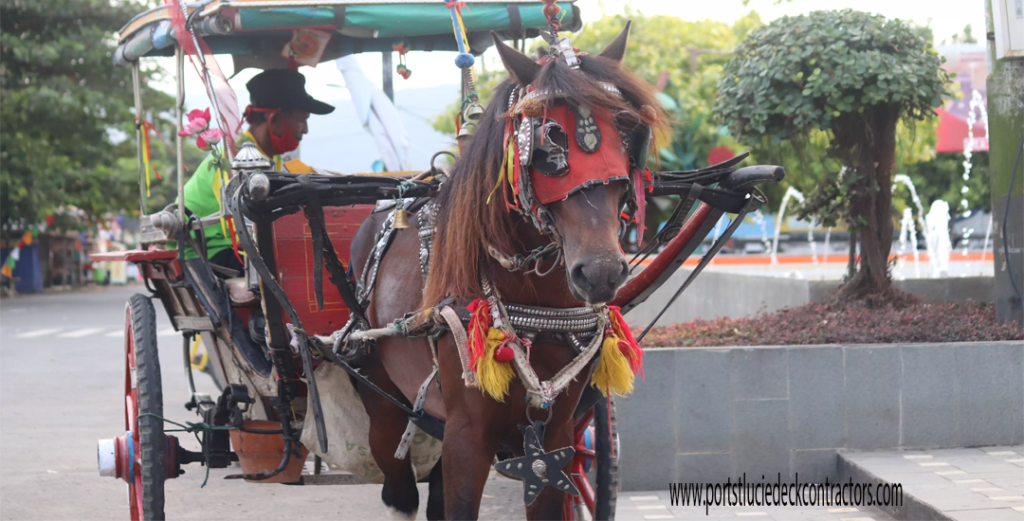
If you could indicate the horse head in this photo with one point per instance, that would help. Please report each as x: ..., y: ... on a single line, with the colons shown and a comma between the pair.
x: 563, y: 144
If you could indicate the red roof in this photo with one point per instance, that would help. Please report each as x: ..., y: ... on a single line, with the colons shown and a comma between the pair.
x: 953, y: 133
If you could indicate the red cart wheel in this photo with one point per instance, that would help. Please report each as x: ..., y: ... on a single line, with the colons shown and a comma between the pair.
x: 596, y: 444
x: 139, y: 455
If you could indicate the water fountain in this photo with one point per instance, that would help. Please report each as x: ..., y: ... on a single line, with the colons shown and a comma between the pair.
x: 907, y: 218
x: 790, y: 194
x: 937, y: 238
x: 908, y: 233
x: 977, y: 106
x: 965, y: 240
x: 760, y: 220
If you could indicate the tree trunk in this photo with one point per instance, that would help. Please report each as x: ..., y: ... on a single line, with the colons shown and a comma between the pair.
x: 851, y: 266
x: 872, y: 138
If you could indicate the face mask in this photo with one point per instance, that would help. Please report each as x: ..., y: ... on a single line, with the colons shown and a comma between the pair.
x: 285, y: 142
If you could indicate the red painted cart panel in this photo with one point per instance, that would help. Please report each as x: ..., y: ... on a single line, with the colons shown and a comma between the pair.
x: 293, y: 253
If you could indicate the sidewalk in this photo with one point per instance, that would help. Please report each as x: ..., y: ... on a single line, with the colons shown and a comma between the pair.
x: 956, y: 484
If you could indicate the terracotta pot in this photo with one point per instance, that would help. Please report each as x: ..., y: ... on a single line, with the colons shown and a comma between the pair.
x: 263, y: 453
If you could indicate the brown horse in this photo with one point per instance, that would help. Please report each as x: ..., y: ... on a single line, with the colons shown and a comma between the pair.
x: 590, y: 270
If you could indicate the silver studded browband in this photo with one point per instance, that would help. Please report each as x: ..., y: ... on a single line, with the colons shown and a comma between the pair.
x: 544, y: 93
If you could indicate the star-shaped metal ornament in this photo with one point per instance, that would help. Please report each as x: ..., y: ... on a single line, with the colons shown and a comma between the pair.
x: 538, y: 469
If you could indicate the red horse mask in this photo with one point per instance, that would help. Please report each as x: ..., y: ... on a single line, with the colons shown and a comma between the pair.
x: 559, y: 164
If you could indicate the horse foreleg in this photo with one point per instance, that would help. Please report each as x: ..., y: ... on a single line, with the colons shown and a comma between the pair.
x: 467, y: 454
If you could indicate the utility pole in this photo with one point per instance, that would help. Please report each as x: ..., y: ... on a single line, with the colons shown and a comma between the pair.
x: 1005, y: 32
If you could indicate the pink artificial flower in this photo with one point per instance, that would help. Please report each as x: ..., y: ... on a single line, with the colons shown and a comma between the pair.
x: 209, y: 137
x: 198, y: 121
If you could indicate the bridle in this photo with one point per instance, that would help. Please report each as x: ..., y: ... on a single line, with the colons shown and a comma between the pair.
x: 544, y: 164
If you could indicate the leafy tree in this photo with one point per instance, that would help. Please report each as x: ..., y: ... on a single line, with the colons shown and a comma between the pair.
x: 67, y: 136
x: 967, y: 36
x: 853, y: 76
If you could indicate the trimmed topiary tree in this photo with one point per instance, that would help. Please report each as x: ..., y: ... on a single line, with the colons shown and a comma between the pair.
x: 852, y: 75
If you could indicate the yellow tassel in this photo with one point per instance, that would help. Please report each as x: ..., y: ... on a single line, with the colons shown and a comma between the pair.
x: 494, y: 376
x: 613, y: 374
x: 504, y: 172
x: 145, y: 157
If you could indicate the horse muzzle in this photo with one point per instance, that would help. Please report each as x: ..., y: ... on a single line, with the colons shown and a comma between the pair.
x: 596, y: 280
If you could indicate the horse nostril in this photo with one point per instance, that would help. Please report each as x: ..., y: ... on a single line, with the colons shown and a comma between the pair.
x: 578, y: 277
x: 623, y: 274
x: 600, y: 279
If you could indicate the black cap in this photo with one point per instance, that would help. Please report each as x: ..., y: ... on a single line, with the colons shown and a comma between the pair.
x: 283, y: 89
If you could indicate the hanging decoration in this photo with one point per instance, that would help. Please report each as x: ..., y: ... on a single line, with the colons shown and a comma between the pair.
x: 306, y: 47
x: 147, y: 159
x: 621, y: 357
x: 402, y: 49
x: 471, y: 109
x: 538, y: 468
x: 12, y: 258
x: 489, y: 352
x: 551, y: 11
x: 207, y: 138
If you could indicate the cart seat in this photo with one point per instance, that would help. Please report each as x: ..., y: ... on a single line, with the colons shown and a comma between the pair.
x: 241, y: 295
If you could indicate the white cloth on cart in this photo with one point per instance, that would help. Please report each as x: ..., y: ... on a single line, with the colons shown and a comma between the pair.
x: 348, y: 430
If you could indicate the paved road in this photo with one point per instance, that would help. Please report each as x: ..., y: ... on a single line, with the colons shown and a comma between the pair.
x: 60, y: 381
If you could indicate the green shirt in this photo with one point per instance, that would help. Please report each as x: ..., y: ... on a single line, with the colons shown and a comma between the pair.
x: 201, y: 200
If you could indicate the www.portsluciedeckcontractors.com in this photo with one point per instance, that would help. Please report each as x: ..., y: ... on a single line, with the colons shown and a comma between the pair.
x: 744, y: 493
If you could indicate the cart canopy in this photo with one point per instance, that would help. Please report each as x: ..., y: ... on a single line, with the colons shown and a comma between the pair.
x: 255, y: 31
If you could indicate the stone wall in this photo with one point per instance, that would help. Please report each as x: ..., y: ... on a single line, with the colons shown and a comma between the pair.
x: 705, y: 415
x: 717, y: 294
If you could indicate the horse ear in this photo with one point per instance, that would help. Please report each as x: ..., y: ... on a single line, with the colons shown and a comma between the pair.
x: 522, y: 68
x: 617, y: 49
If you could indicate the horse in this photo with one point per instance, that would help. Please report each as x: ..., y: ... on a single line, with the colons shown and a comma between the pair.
x: 477, y: 229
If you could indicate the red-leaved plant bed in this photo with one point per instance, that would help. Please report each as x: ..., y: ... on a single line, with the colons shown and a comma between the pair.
x: 849, y: 323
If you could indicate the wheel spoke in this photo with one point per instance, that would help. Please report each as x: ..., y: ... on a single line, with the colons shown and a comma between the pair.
x: 585, y: 454
x: 131, y: 412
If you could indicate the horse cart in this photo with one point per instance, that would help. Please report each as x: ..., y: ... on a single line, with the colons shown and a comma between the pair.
x: 430, y: 321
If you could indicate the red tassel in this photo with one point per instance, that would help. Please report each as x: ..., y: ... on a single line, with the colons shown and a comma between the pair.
x: 629, y: 346
x: 234, y: 238
x: 479, y: 325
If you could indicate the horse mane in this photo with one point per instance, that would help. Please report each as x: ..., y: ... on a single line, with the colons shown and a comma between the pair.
x: 465, y: 222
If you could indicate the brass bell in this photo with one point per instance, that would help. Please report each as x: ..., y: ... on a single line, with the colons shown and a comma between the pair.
x: 473, y: 112
x: 401, y: 219
x: 466, y: 131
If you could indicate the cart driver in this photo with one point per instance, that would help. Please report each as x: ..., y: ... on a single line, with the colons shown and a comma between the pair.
x: 277, y: 113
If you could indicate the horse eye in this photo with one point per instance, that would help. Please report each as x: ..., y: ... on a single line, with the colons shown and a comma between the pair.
x: 627, y: 120
x: 551, y: 150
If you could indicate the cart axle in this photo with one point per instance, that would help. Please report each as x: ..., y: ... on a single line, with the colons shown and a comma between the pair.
x: 114, y: 456
x: 121, y: 458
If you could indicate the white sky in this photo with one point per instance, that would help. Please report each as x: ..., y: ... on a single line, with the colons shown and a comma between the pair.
x: 946, y: 17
